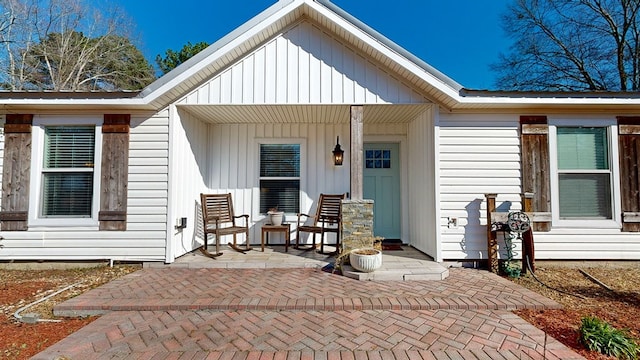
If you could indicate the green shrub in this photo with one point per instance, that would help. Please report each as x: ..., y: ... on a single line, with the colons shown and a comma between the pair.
x: 510, y: 268
x: 598, y: 335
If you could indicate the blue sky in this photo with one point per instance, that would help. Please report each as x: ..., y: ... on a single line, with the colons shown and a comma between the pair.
x: 460, y: 38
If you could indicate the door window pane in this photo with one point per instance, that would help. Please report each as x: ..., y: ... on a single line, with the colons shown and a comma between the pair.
x: 377, y: 159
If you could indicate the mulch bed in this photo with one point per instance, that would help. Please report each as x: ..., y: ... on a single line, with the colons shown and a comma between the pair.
x: 620, y: 307
x: 19, y: 288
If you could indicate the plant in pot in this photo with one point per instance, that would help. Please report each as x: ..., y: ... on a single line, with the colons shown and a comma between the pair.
x: 361, y: 252
x: 365, y: 259
x: 276, y: 216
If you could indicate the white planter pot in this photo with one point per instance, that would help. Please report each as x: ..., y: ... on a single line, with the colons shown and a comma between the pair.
x: 276, y: 218
x: 365, y: 260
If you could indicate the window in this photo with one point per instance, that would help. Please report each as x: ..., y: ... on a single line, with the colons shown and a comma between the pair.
x: 584, y: 173
x: 67, y: 172
x: 280, y: 177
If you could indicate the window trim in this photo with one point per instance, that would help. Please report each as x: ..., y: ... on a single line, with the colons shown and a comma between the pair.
x: 255, y: 213
x: 612, y: 138
x: 37, y: 167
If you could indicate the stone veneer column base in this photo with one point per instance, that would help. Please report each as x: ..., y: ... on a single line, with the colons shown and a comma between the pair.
x: 357, y: 219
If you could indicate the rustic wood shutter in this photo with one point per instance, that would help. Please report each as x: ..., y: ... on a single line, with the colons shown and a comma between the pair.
x: 16, y: 171
x: 629, y: 154
x: 115, y: 171
x: 534, y: 148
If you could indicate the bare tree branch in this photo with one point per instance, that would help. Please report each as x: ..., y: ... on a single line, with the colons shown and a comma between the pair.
x: 65, y: 45
x: 571, y: 45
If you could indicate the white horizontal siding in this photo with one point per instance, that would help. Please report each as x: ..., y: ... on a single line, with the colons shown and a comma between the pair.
x: 145, y: 236
x: 478, y: 154
x: 578, y: 244
x: 305, y: 65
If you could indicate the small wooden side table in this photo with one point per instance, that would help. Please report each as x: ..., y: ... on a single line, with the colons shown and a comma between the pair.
x: 284, y: 228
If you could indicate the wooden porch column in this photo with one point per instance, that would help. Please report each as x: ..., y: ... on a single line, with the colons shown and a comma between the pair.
x: 357, y: 141
x: 492, y: 242
x: 527, y: 238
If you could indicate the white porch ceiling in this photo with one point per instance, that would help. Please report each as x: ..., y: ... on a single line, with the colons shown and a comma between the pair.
x: 312, y: 114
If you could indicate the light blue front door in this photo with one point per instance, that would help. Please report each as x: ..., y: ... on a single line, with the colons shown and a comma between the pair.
x: 381, y: 180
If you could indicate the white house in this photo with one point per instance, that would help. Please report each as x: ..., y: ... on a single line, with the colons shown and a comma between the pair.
x: 287, y: 84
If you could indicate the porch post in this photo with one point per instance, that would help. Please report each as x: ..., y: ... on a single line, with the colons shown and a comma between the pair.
x: 357, y: 140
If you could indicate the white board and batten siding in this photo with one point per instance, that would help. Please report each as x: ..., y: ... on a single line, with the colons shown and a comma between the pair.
x: 190, y: 168
x: 227, y: 161
x: 422, y: 185
x: 234, y: 165
x: 144, y: 239
x: 304, y: 65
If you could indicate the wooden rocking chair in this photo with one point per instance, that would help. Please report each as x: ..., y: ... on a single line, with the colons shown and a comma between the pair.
x: 328, y: 218
x: 219, y: 220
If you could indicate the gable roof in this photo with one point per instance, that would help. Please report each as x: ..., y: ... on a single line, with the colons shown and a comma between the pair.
x: 276, y: 19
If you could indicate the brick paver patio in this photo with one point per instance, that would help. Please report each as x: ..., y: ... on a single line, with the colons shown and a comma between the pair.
x: 305, y: 314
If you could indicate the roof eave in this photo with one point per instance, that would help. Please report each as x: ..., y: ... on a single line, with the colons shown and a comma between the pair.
x: 502, y: 100
x: 72, y: 104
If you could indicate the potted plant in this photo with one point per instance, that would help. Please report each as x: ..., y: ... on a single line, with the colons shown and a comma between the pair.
x: 365, y: 259
x: 361, y: 252
x: 275, y: 216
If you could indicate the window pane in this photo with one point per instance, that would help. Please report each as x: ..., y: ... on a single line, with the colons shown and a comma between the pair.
x: 67, y: 194
x: 582, y: 148
x: 283, y: 194
x: 69, y: 146
x: 585, y: 196
x: 279, y: 160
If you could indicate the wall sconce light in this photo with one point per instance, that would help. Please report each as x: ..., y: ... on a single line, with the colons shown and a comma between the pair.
x: 338, y: 153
